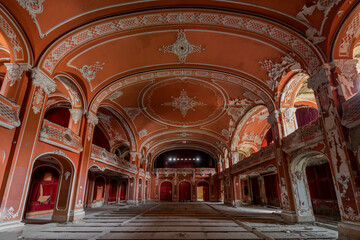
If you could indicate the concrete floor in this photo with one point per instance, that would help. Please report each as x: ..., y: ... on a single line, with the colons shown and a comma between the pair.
x: 169, y: 220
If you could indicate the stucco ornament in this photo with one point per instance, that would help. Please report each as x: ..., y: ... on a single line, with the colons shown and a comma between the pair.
x: 182, y: 48
x: 76, y: 114
x: 15, y: 71
x: 325, y: 6
x: 277, y: 70
x: 89, y: 71
x: 183, y: 103
x: 9, y: 214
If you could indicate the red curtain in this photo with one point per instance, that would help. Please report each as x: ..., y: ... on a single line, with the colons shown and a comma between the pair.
x: 43, y: 190
x: 112, y: 191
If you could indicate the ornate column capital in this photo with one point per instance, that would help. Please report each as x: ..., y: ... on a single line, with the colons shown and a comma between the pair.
x: 15, y: 71
x: 319, y: 77
x: 76, y: 114
x: 288, y: 112
x: 273, y: 117
x: 92, y: 118
x: 43, y: 81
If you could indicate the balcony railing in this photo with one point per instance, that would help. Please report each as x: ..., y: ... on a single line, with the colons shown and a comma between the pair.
x: 9, y: 113
x: 100, y: 154
x: 264, y: 154
x: 59, y: 136
x: 302, y: 136
x: 351, y: 112
x: 186, y: 171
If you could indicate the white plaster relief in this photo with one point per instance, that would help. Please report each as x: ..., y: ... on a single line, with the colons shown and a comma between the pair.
x: 89, y: 71
x: 132, y: 112
x: 183, y: 103
x: 33, y: 7
x: 43, y: 81
x: 276, y: 71
x: 115, y: 95
x: 313, y: 34
x: 15, y: 71
x: 9, y: 214
x: 182, y: 48
x: 142, y: 133
x: 76, y: 114
x: 73, y: 92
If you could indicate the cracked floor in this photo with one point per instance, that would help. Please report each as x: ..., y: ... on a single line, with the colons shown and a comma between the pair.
x: 173, y: 221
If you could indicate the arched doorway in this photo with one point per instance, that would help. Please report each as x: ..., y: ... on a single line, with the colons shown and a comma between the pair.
x: 123, y: 191
x: 166, y: 191
x: 184, y: 191
x: 312, y: 184
x: 99, y: 192
x: 203, y: 191
x: 112, y: 191
x: 146, y: 189
x: 140, y: 190
x: 42, y: 192
x: 50, y: 188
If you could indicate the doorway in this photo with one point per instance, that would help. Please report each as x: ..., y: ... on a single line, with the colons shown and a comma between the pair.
x: 166, y: 191
x: 203, y: 191
x: 256, y: 199
x: 184, y: 191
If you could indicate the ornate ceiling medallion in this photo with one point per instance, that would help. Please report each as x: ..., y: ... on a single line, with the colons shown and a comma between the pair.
x: 181, y: 47
x: 183, y: 103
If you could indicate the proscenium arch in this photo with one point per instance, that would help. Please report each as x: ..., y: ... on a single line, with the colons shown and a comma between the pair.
x: 306, y: 51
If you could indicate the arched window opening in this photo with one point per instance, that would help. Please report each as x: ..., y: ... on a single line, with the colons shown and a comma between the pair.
x: 268, y: 139
x: 305, y: 114
x: 100, y: 139
x: 59, y: 116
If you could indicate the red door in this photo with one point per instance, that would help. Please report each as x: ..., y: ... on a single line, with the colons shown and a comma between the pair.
x: 112, y: 191
x: 205, y: 186
x: 184, y: 191
x: 166, y: 191
x: 43, y: 190
x: 123, y: 192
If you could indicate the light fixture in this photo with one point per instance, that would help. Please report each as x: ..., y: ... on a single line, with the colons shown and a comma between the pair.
x: 197, y: 159
x: 170, y: 159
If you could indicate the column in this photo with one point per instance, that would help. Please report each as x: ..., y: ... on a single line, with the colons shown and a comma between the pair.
x: 286, y: 194
x: 75, y: 120
x: 87, y: 132
x: 348, y: 198
x: 16, y: 188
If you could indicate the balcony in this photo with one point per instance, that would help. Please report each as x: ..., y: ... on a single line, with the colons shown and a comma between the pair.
x: 186, y: 171
x: 303, y: 136
x: 351, y: 112
x: 61, y: 137
x: 264, y: 154
x: 9, y: 113
x: 101, y: 155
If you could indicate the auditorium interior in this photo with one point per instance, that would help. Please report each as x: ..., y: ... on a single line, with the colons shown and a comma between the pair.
x: 182, y: 119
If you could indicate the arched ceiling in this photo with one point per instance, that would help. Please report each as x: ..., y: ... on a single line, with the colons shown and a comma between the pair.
x: 177, y: 74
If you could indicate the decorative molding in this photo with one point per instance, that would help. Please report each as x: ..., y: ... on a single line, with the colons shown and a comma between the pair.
x: 92, y: 118
x: 182, y: 48
x: 89, y: 71
x: 61, y: 137
x: 67, y: 175
x: 38, y: 100
x: 319, y: 78
x: 76, y: 114
x: 347, y: 40
x: 33, y: 7
x: 9, y: 113
x: 115, y: 95
x: 15, y: 71
x: 312, y: 33
x: 142, y: 133
x: 276, y: 71
x: 59, y: 152
x: 132, y: 112
x: 43, y: 81
x: 12, y: 37
x: 193, y: 17
x: 183, y: 103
